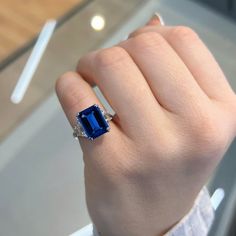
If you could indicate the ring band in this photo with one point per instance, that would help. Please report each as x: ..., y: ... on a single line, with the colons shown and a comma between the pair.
x: 91, y: 123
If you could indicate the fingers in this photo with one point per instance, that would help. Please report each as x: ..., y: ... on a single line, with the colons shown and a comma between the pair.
x: 123, y: 85
x: 156, y: 20
x: 196, y: 57
x: 170, y: 80
x: 74, y: 95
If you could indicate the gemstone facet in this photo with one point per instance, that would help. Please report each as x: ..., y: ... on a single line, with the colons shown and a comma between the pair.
x: 93, y: 122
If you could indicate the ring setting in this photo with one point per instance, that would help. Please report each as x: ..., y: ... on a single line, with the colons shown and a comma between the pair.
x: 91, y: 123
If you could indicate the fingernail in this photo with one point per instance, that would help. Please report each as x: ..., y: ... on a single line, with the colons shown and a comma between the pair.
x: 156, y: 20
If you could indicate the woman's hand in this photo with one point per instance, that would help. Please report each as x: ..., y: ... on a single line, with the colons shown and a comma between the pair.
x: 175, y: 118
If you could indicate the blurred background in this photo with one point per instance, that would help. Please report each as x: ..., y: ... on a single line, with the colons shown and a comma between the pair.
x: 41, y: 169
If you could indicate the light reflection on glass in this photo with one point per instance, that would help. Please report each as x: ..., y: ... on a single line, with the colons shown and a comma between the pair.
x: 97, y: 22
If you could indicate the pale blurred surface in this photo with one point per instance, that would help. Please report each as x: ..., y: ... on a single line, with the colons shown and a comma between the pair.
x: 21, y: 20
x: 69, y: 42
x: 41, y: 169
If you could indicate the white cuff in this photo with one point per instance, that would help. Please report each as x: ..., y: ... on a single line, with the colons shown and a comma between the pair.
x: 198, y: 221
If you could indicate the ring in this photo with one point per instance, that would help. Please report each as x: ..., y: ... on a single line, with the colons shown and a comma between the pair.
x: 92, y: 123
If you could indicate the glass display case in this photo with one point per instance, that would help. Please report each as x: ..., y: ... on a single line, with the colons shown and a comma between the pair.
x: 41, y: 168
x: 227, y: 7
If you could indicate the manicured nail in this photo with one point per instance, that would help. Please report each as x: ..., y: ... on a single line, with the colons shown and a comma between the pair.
x: 156, y: 20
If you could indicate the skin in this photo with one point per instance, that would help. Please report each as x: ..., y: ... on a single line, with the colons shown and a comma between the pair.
x: 175, y: 119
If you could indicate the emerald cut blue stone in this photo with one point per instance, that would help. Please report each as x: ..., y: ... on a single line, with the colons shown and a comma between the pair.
x: 93, y: 122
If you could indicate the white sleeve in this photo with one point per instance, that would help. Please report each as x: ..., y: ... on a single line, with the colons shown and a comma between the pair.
x: 85, y: 231
x: 197, y: 222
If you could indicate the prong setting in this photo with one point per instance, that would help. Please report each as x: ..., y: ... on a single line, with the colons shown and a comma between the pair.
x: 92, y: 123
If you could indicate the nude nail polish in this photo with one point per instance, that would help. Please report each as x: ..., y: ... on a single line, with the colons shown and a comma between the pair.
x: 156, y: 20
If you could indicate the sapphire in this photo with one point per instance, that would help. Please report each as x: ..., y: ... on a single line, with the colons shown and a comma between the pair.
x: 93, y: 122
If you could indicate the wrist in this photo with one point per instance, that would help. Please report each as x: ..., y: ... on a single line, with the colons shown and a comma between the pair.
x: 116, y: 222
x: 199, y: 220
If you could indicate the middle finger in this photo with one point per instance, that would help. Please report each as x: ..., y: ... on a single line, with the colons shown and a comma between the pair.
x: 124, y: 86
x: 170, y: 80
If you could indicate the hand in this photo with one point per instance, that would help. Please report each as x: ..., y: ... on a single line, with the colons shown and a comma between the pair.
x: 175, y: 118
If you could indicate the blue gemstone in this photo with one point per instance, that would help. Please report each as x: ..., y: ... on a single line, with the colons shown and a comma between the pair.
x: 93, y: 122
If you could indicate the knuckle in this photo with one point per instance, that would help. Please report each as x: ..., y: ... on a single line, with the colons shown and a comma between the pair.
x: 110, y: 56
x: 148, y: 40
x: 138, y: 32
x: 61, y: 82
x: 209, y: 134
x: 183, y: 33
x: 68, y: 93
x: 75, y: 98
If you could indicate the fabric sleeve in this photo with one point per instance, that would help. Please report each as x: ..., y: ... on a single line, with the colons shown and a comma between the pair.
x: 197, y: 222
